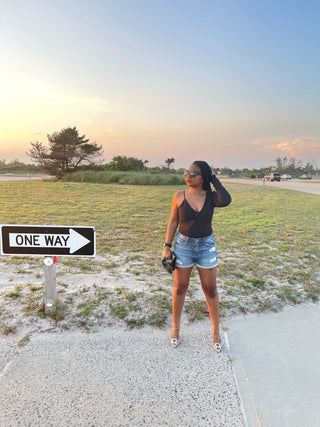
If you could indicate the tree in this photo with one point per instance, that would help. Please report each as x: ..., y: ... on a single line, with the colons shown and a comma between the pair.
x: 123, y: 163
x: 67, y: 151
x: 169, y: 161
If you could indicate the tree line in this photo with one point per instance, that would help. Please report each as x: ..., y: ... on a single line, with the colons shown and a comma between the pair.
x: 67, y: 152
x: 16, y: 166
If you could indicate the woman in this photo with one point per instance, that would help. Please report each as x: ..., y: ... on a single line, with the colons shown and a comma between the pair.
x: 192, y: 211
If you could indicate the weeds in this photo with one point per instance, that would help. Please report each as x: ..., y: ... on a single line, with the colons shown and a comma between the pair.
x: 312, y: 292
x: 135, y: 323
x: 118, y: 309
x: 196, y: 310
x: 15, y: 293
x: 8, y: 329
x: 35, y: 288
x: 257, y: 283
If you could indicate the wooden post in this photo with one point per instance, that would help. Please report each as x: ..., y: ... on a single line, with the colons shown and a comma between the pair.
x: 50, y: 287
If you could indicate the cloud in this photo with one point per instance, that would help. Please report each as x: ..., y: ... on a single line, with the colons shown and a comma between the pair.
x: 43, y: 92
x: 290, y: 145
x: 96, y: 104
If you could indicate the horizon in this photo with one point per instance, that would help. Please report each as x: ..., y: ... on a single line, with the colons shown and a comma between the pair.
x: 174, y: 167
x: 235, y: 84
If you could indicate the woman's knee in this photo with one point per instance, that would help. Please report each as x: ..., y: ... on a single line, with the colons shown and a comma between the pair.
x: 210, y: 290
x: 181, y: 288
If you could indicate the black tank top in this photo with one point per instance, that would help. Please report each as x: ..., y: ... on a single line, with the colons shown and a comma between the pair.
x: 193, y: 223
x: 199, y: 224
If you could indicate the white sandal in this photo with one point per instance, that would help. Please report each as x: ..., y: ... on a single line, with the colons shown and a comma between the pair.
x: 216, y: 346
x: 175, y: 341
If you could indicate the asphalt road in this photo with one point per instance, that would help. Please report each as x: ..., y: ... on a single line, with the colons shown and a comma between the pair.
x: 13, y: 178
x: 312, y: 186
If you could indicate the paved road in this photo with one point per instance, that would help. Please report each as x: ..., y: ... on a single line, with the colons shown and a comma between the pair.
x: 312, y: 186
x: 22, y: 178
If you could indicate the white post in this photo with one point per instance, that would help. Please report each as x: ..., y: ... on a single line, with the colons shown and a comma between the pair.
x: 50, y: 288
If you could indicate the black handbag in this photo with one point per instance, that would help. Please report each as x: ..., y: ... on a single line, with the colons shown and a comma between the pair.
x: 169, y: 264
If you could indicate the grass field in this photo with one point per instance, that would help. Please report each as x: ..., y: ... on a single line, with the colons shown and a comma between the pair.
x: 267, y: 240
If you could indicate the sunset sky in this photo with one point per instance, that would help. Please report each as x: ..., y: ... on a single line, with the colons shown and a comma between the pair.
x: 234, y: 82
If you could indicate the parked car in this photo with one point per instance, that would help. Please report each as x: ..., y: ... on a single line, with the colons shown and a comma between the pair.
x: 286, y: 176
x: 274, y: 176
x: 305, y: 176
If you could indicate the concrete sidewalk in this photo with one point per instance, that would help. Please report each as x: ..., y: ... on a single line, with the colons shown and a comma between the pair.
x: 131, y: 378
x: 117, y: 378
x: 276, y: 359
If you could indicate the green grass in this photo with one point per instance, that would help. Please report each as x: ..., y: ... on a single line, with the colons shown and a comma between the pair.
x: 121, y: 214
x: 267, y: 240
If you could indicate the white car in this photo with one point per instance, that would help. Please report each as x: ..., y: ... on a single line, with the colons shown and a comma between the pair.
x: 286, y: 176
x: 305, y: 176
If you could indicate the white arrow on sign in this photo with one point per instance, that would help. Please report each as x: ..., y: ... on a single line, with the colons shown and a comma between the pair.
x: 73, y: 240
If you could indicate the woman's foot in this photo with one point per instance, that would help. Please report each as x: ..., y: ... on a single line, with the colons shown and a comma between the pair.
x: 216, y: 346
x: 174, y: 337
x: 216, y: 342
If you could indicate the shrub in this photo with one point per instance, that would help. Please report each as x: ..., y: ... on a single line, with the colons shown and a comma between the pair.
x: 128, y: 178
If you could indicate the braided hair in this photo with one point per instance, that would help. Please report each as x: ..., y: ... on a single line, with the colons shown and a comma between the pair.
x: 206, y: 173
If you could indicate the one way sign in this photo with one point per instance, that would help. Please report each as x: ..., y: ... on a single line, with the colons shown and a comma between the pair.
x: 48, y: 240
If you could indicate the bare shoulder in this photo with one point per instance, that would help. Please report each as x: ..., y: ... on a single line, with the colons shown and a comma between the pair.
x: 178, y: 197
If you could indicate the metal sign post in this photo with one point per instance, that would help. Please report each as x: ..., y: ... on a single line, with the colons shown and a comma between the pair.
x: 50, y: 286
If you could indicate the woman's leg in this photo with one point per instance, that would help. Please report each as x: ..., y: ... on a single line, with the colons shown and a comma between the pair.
x: 209, y: 287
x: 181, y: 283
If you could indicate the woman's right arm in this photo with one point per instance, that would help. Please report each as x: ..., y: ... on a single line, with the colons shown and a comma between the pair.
x: 172, y: 225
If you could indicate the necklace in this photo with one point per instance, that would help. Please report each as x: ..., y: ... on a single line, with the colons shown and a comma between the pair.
x: 198, y: 195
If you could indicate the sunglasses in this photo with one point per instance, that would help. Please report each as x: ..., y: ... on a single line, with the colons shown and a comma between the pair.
x: 193, y: 174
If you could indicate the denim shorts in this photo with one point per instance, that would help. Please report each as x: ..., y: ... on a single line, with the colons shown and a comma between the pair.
x: 190, y: 251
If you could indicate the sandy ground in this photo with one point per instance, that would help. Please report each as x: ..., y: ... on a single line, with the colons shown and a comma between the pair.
x: 80, y: 286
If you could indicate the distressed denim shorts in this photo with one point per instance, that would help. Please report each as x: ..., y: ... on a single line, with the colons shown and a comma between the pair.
x: 190, y: 251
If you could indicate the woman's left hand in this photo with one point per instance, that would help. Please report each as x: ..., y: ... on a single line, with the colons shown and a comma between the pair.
x: 166, y: 253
